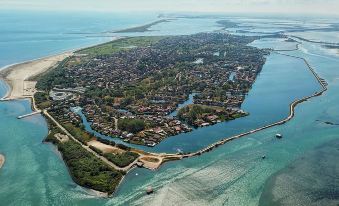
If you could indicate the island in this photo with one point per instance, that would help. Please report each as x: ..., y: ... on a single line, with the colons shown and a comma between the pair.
x: 129, y: 93
x: 135, y: 91
x: 128, y: 89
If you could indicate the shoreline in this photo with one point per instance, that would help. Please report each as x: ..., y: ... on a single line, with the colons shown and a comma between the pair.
x: 2, y: 160
x: 17, y: 76
x: 7, y: 69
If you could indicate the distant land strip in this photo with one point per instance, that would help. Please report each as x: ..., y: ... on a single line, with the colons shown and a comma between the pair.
x: 317, y: 42
x: 142, y: 28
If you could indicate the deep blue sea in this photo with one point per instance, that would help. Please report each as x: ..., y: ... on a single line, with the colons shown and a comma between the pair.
x: 233, y: 174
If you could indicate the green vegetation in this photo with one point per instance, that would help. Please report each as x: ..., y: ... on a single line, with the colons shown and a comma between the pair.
x: 123, y: 147
x: 98, y: 151
x: 193, y: 112
x: 42, y: 100
x: 53, y: 129
x: 78, y: 133
x: 123, y: 159
x: 105, y: 141
x: 142, y: 28
x: 85, y: 169
x: 54, y: 77
x: 120, y: 45
x: 238, y: 115
x: 202, y: 115
x: 131, y: 125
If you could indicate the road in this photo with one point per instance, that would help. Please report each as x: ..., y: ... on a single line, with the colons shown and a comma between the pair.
x: 125, y: 169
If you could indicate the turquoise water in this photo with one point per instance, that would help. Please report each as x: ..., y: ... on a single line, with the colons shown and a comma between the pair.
x: 26, y: 35
x: 233, y: 174
x: 303, y: 181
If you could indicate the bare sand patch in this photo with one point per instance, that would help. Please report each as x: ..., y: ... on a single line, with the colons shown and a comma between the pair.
x: 17, y: 76
x: 105, y: 148
x: 151, y: 162
x: 61, y: 137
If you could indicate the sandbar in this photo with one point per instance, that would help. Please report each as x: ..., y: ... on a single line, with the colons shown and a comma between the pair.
x: 19, y: 76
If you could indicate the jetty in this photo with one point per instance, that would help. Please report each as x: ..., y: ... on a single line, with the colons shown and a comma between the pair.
x: 34, y: 108
x: 5, y: 99
x: 28, y: 115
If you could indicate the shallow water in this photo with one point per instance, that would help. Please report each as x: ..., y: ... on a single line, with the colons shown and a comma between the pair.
x: 310, y: 180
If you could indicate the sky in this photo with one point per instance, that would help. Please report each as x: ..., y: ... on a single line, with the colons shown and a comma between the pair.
x: 325, y: 7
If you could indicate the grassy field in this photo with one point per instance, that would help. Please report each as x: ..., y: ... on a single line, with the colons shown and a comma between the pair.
x: 119, y: 45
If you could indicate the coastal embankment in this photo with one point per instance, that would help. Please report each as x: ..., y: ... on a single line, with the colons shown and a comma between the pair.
x: 19, y: 76
x: 2, y: 160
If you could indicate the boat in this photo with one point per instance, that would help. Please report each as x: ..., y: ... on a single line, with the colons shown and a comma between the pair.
x: 149, y: 190
x: 279, y: 136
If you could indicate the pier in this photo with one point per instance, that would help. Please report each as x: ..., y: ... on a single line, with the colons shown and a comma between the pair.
x: 28, y: 115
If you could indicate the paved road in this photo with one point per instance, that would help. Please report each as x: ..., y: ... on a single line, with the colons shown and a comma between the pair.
x: 128, y: 167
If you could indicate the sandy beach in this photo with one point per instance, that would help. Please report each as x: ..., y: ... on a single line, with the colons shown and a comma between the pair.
x: 18, y: 76
x: 2, y: 160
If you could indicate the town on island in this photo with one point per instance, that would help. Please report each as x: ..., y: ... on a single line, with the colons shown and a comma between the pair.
x: 135, y: 89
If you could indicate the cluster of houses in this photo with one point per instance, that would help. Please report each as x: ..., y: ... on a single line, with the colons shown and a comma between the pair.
x: 107, y: 124
x: 217, y: 116
x: 140, y: 81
